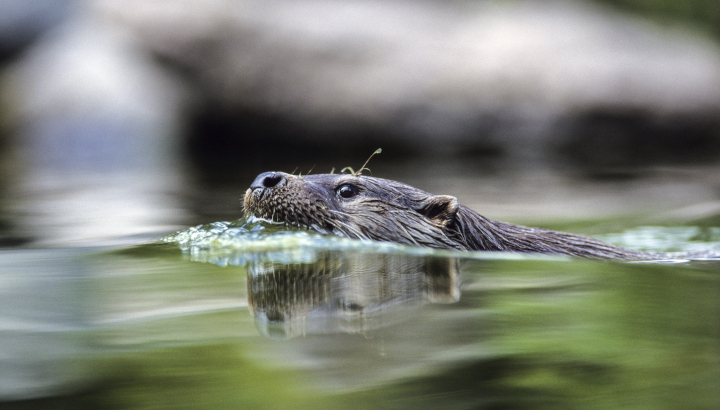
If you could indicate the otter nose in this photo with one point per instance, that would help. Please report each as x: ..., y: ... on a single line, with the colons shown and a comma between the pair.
x: 267, y: 180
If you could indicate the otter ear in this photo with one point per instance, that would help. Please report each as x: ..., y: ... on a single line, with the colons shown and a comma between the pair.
x: 440, y: 208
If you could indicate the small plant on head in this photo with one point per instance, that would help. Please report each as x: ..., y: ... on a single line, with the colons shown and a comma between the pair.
x: 306, y: 174
x: 360, y: 171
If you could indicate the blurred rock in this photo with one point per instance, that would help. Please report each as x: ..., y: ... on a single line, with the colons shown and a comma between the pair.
x: 523, y: 78
x: 96, y: 123
x: 97, y: 107
x: 22, y: 22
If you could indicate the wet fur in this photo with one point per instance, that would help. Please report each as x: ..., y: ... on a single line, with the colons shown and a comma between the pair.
x: 385, y: 210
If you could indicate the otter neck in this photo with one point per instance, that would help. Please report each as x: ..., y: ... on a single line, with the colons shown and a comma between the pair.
x: 481, y: 234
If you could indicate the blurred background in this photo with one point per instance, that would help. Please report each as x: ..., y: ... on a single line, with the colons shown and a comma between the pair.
x: 124, y: 120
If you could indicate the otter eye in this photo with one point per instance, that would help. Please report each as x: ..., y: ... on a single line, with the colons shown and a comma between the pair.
x: 347, y: 191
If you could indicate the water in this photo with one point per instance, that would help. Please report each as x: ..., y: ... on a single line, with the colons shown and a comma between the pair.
x: 245, y: 315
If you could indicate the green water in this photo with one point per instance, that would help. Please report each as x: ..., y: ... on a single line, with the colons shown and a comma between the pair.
x: 242, y: 315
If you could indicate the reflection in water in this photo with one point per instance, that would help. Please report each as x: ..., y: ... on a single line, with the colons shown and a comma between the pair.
x: 344, y: 292
x: 301, y: 283
x: 382, y: 327
x: 381, y: 323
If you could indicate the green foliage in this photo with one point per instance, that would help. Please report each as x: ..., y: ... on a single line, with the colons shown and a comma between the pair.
x: 701, y: 13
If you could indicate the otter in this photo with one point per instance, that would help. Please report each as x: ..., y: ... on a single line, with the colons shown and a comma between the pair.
x: 362, y: 207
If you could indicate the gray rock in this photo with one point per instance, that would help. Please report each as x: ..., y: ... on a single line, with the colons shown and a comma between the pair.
x: 523, y: 77
x: 95, y: 125
x: 21, y: 22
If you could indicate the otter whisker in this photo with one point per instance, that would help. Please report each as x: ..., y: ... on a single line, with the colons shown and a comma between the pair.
x: 408, y: 234
x: 338, y: 212
x: 353, y: 230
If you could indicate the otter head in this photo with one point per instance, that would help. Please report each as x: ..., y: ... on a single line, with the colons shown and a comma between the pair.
x: 355, y: 206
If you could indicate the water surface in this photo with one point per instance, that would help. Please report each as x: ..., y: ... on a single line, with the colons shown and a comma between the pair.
x: 242, y: 314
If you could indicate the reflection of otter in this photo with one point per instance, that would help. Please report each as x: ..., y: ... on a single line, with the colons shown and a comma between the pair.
x: 345, y: 292
x: 379, y: 209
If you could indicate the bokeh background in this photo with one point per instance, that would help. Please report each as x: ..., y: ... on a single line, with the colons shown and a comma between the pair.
x: 125, y: 119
